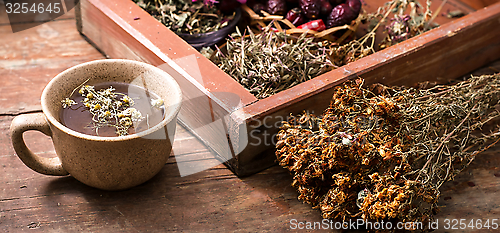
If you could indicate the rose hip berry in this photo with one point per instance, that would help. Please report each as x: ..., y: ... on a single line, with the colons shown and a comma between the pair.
x: 355, y: 5
x: 325, y: 7
x: 295, y: 16
x: 276, y: 7
x: 344, y: 13
x: 311, y: 8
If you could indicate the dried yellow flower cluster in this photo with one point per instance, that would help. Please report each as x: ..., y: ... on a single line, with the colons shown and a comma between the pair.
x: 382, y: 154
x: 108, y: 108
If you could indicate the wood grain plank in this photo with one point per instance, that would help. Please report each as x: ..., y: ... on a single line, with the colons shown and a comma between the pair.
x: 4, y: 18
x: 212, y: 200
x: 21, y: 19
x: 473, y: 194
x: 31, y: 58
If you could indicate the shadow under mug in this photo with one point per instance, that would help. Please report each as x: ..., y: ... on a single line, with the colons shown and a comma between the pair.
x: 109, y: 163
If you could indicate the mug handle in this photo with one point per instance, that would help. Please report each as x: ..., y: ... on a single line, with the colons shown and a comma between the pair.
x: 36, y: 121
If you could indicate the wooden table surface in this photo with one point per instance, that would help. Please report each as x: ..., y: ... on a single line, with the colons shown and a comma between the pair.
x: 214, y: 199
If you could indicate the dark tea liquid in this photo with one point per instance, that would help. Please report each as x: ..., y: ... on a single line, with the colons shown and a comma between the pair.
x: 79, y: 119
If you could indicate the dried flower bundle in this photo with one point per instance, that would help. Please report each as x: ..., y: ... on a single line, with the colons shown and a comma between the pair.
x: 383, y: 154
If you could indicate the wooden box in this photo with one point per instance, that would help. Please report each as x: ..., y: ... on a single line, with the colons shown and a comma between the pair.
x: 239, y: 127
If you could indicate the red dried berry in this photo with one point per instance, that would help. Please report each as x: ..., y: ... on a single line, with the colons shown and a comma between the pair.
x: 325, y: 7
x: 295, y: 16
x: 340, y: 15
x: 311, y: 8
x: 355, y: 5
x: 343, y: 14
x: 276, y: 7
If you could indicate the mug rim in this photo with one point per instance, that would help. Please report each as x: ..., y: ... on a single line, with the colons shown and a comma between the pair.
x: 169, y: 116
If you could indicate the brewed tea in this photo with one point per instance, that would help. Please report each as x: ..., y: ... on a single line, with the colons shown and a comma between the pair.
x: 111, y: 109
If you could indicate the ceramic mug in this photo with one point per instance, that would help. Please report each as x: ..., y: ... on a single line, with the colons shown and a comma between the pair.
x: 110, y: 163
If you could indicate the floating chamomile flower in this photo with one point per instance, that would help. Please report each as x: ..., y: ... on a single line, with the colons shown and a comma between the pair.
x: 158, y: 103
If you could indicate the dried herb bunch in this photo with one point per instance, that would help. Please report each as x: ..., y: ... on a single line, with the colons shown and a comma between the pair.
x: 270, y: 62
x: 383, y: 154
x: 186, y: 16
x: 108, y: 108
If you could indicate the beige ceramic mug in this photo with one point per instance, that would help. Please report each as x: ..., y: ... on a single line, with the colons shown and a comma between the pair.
x: 110, y: 163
